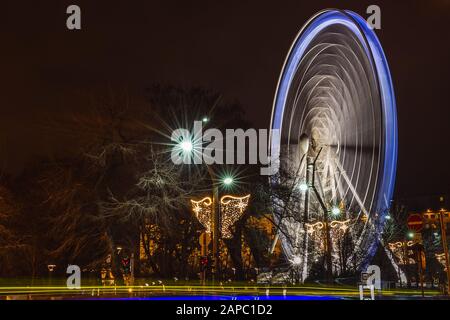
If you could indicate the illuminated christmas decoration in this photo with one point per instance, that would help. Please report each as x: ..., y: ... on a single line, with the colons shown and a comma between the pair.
x: 395, y: 245
x: 340, y: 225
x: 400, y: 251
x: 311, y: 228
x: 203, y: 211
x: 337, y: 229
x: 231, y: 208
x: 441, y: 258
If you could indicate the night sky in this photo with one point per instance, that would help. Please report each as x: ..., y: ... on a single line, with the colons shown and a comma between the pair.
x: 233, y: 47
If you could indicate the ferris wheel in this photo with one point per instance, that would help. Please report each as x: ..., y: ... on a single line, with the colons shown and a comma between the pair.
x: 335, y: 114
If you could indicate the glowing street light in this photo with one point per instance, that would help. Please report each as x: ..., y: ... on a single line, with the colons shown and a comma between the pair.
x: 410, y: 235
x: 303, y: 187
x: 335, y: 211
x: 296, y: 261
x: 227, y: 181
x: 205, y: 119
x: 186, y: 146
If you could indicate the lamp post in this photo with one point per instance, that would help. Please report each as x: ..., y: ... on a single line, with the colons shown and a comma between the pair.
x: 187, y: 147
x: 227, y: 181
x: 215, y: 224
x: 51, y: 268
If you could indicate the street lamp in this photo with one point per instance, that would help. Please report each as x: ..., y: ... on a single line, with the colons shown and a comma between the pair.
x: 227, y: 181
x: 303, y: 187
x: 296, y: 261
x: 51, y: 268
x: 186, y: 146
x: 335, y: 211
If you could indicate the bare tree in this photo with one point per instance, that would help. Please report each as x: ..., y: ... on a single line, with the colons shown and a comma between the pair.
x: 12, y: 242
x: 117, y: 185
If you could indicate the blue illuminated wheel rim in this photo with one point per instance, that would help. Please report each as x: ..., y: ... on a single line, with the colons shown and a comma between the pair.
x: 356, y: 46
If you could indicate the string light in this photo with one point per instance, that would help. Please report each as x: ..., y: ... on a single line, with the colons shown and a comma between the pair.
x: 397, y: 248
x: 314, y: 230
x: 398, y: 251
x: 341, y: 225
x: 203, y: 211
x: 311, y: 228
x: 441, y: 259
x: 395, y: 245
x: 232, y: 208
x: 338, y: 230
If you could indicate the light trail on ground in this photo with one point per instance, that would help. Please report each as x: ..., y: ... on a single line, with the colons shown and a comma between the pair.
x: 172, y: 292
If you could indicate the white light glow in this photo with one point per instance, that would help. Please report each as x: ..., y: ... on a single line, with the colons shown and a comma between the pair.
x: 227, y: 181
x: 186, y: 146
x: 296, y: 260
x: 303, y: 187
x: 335, y: 211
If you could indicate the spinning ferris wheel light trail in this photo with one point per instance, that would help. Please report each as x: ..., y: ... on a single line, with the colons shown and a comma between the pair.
x: 335, y: 112
x: 352, y: 188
